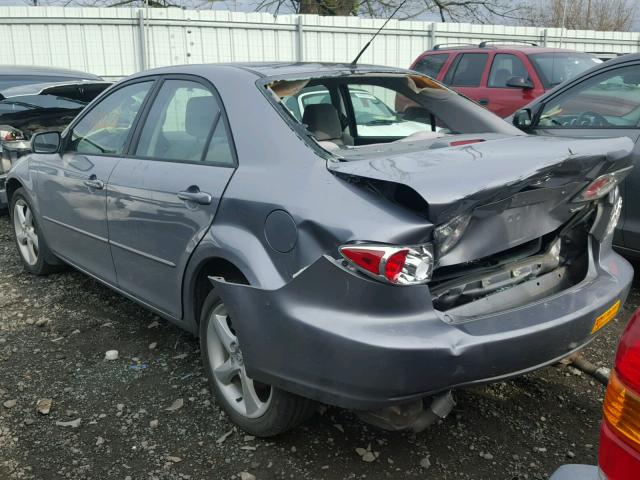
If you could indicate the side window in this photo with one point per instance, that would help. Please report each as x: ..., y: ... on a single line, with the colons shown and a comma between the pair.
x: 608, y: 100
x: 376, y: 116
x: 504, y: 67
x: 431, y: 64
x: 219, y: 150
x: 105, y: 129
x: 179, y: 122
x: 468, y: 72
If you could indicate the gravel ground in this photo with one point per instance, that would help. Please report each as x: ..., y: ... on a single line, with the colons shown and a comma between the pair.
x: 112, y: 419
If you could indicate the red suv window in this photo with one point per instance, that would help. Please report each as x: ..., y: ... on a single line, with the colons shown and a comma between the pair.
x: 505, y: 66
x: 431, y: 64
x: 467, y: 70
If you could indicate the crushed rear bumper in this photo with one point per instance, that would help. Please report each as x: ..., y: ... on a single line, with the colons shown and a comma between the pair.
x: 352, y: 342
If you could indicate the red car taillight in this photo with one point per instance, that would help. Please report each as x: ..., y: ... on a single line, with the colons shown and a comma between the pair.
x: 393, y: 264
x: 619, y: 456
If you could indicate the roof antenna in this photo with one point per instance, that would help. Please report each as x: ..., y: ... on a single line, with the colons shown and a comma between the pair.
x: 355, y: 60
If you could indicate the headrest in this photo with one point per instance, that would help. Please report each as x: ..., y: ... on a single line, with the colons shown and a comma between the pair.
x: 322, y: 121
x: 201, y: 112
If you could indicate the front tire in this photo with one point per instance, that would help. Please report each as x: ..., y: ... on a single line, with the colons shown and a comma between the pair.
x: 30, y: 241
x: 258, y: 409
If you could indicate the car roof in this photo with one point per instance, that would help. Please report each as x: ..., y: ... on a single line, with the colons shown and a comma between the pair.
x: 17, y: 70
x: 278, y: 69
x: 526, y: 49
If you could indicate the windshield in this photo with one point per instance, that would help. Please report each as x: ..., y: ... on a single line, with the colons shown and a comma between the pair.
x: 350, y: 111
x: 35, y: 102
x: 557, y: 67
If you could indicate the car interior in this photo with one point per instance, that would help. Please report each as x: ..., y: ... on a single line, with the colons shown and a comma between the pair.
x: 351, y: 111
x: 609, y: 100
x: 346, y: 113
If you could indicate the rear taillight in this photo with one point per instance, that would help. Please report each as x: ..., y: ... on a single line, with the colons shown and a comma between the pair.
x: 622, y: 411
x: 602, y: 185
x: 628, y: 355
x: 622, y: 400
x: 10, y: 134
x: 393, y: 264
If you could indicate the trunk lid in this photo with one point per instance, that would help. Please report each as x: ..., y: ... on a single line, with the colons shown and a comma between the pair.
x: 456, y: 179
x: 516, y: 188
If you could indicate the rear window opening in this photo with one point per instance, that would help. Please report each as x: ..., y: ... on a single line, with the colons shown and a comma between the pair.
x: 345, y: 112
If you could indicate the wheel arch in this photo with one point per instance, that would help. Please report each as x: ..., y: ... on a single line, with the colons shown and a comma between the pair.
x: 11, y: 187
x: 197, y: 284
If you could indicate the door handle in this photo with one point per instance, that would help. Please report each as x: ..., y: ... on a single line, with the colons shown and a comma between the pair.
x: 483, y: 101
x: 193, y: 194
x: 93, y: 182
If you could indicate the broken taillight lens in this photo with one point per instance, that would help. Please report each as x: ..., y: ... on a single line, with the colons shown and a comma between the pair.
x: 447, y: 235
x: 397, y: 265
x: 602, y: 185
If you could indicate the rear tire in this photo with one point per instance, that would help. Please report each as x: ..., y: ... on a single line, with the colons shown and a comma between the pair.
x: 258, y: 409
x: 32, y: 247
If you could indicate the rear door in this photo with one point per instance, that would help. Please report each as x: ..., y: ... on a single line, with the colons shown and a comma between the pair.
x: 606, y: 104
x: 466, y: 75
x: 163, y: 196
x: 505, y: 100
x: 72, y: 186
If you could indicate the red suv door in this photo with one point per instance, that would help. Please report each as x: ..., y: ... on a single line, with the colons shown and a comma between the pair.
x: 503, y: 99
x: 466, y: 74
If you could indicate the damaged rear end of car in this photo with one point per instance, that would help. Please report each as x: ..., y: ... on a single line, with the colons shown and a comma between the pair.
x: 506, y: 264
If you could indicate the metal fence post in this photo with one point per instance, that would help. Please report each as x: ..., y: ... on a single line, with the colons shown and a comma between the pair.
x: 432, y: 35
x: 142, y: 35
x: 300, y: 40
x: 544, y: 37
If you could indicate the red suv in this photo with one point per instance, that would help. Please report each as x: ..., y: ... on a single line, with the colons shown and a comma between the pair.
x: 502, y: 78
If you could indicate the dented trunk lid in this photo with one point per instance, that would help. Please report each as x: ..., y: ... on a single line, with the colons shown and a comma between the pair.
x: 517, y: 188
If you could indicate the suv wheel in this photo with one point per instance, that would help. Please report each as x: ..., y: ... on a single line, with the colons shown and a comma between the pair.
x: 29, y: 239
x: 259, y: 409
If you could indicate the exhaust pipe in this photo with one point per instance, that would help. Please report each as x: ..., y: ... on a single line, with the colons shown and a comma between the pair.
x: 577, y: 360
x: 410, y: 416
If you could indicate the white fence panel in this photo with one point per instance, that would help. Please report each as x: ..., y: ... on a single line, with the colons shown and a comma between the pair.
x: 114, y: 42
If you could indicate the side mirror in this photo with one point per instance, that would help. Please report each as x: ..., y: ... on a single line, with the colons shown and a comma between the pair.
x: 45, y: 142
x: 519, y: 82
x: 522, y: 119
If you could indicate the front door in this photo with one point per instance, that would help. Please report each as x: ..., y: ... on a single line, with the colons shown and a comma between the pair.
x: 505, y: 99
x: 72, y: 186
x: 604, y: 105
x: 163, y: 197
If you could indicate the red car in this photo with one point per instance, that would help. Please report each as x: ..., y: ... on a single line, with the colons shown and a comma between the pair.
x: 502, y: 78
x: 619, y: 455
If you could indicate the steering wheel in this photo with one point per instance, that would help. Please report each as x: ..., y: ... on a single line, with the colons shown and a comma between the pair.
x: 591, y: 119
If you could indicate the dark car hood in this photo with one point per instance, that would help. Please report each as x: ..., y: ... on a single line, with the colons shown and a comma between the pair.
x: 456, y: 179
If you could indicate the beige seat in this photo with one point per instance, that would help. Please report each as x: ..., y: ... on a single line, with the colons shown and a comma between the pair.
x: 323, y: 122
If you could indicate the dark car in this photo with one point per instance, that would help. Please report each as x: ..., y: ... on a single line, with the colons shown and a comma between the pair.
x: 38, y: 98
x: 603, y: 102
x: 503, y: 78
x: 619, y: 452
x: 368, y: 269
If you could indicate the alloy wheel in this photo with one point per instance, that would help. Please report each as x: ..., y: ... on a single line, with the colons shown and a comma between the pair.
x: 248, y: 398
x: 26, y: 232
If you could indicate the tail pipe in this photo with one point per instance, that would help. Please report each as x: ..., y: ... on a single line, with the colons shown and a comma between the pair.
x: 601, y: 374
x: 411, y: 416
